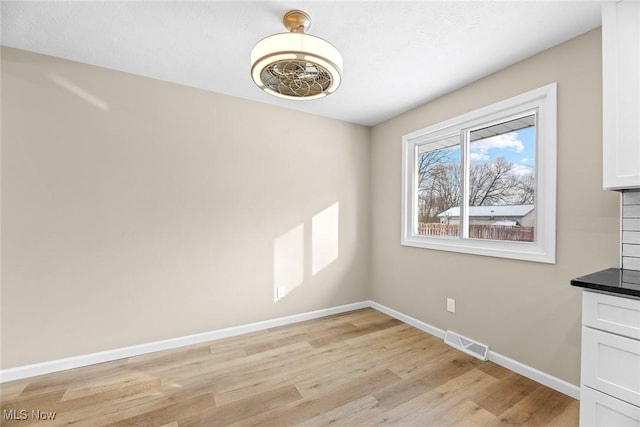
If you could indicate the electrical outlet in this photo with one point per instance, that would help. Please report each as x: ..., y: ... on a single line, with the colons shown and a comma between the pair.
x: 280, y: 292
x: 451, y: 305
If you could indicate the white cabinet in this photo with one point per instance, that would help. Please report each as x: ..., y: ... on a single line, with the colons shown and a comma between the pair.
x: 611, y: 313
x: 621, y: 94
x: 610, y: 372
x: 611, y: 364
x: 599, y: 409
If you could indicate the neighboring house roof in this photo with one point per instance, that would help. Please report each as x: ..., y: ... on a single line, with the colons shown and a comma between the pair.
x: 507, y: 210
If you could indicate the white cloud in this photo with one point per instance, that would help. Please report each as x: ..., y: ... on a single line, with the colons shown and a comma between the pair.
x: 478, y: 157
x: 521, y: 170
x: 524, y: 160
x: 479, y: 150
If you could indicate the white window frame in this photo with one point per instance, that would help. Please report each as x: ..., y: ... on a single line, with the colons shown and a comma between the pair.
x: 544, y: 102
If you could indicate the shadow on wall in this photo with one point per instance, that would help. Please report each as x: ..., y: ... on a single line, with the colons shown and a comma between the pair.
x: 288, y: 251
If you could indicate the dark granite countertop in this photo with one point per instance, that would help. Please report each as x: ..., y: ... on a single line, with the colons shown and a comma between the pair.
x: 614, y: 280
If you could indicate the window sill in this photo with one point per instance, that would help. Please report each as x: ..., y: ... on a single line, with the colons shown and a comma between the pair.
x: 513, y: 250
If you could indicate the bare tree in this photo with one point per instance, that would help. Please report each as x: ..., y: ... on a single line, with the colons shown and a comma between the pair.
x: 447, y: 187
x: 438, y: 183
x: 526, y: 189
x: 492, y: 182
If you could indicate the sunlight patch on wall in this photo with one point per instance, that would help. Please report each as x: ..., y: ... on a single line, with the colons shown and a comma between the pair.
x: 78, y: 91
x: 288, y: 261
x: 324, y: 238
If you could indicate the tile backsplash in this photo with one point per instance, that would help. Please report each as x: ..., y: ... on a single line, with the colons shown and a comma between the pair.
x: 631, y: 230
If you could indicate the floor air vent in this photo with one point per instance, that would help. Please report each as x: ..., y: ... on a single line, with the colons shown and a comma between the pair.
x: 469, y: 346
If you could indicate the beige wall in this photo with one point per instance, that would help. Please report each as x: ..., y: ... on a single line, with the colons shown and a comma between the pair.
x: 135, y: 210
x: 524, y: 310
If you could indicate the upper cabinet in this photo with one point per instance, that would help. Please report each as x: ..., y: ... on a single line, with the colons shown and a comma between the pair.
x: 621, y: 94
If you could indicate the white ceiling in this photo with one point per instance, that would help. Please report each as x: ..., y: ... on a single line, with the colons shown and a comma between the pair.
x: 397, y: 54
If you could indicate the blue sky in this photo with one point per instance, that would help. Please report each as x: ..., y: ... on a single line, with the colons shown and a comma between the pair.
x: 517, y: 147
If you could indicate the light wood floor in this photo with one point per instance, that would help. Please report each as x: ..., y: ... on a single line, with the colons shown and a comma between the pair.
x: 358, y: 368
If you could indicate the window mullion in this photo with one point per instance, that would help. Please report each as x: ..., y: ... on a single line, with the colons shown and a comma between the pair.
x: 414, y: 186
x: 464, y: 184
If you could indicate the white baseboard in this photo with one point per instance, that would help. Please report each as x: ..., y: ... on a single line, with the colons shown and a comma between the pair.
x: 409, y: 320
x: 497, y: 358
x: 532, y: 373
x: 28, y: 371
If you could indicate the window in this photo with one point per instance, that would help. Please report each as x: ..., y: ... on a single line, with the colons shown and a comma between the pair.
x: 485, y: 182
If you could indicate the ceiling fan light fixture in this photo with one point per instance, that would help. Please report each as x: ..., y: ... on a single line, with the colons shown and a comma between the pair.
x: 296, y: 65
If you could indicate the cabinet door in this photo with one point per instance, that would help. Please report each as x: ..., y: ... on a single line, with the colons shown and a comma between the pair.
x: 612, y: 314
x: 611, y: 364
x: 600, y: 410
x: 621, y: 94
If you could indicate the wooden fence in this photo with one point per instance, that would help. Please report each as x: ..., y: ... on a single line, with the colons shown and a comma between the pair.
x: 478, y: 231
